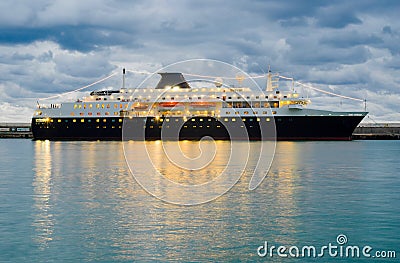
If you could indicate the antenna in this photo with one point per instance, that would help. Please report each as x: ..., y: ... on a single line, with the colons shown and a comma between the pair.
x: 365, y: 104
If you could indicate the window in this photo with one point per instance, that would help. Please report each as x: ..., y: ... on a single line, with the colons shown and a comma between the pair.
x: 104, y: 120
x: 98, y: 114
x: 97, y: 120
x: 115, y: 106
x: 107, y: 113
x: 81, y: 113
x: 75, y: 106
x: 59, y: 120
x: 98, y: 106
x: 226, y: 119
x: 108, y: 106
x: 72, y: 114
x: 120, y: 120
x: 102, y: 106
x: 84, y: 106
x: 90, y: 114
x: 74, y: 120
x: 233, y: 119
x: 90, y: 106
x: 267, y: 119
x: 82, y: 120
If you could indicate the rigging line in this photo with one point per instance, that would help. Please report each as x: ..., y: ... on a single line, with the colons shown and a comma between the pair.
x: 214, y: 77
x: 84, y: 87
x: 328, y: 92
x: 138, y: 72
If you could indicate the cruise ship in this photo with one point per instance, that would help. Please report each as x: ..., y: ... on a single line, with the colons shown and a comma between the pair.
x: 176, y: 109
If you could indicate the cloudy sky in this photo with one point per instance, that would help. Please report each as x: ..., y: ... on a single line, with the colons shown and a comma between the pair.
x: 348, y: 47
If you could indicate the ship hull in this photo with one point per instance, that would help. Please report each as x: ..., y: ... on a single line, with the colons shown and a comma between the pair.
x: 286, y: 128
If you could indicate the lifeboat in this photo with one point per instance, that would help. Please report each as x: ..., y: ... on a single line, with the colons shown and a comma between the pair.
x: 171, y: 106
x: 140, y: 106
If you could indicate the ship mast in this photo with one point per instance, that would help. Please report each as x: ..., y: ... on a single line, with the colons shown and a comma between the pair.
x: 123, y: 78
x: 271, y: 81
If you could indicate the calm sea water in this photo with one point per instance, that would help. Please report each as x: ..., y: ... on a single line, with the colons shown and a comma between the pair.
x: 78, y: 202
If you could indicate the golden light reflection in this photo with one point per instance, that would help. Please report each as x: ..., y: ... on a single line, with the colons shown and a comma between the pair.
x: 43, y: 218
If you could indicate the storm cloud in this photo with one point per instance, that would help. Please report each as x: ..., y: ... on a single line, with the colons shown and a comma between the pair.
x: 351, y: 47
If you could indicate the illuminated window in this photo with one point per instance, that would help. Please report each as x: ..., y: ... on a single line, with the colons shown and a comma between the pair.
x: 90, y: 114
x: 74, y: 120
x: 116, y: 113
x: 72, y: 114
x: 120, y: 120
x: 59, y: 120
x: 120, y: 105
x: 108, y: 106
x: 82, y: 120
x: 193, y: 119
x: 81, y: 113
x: 79, y: 106
x: 258, y: 119
x: 90, y: 106
x: 226, y: 119
x: 228, y: 112
x: 274, y: 112
x: 98, y: 106
x: 98, y: 114
x: 84, y: 106
x: 102, y: 106
x: 115, y: 106
x: 201, y: 119
x: 233, y: 119
x: 244, y: 119
x: 267, y: 119
x: 75, y: 106
x: 97, y: 120
x: 104, y: 120
x: 246, y: 112
x: 107, y: 113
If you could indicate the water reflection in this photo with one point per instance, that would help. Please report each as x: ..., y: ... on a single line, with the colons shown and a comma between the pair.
x: 42, y: 186
x: 85, y: 191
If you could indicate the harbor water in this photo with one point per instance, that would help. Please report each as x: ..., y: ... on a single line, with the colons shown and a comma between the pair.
x: 78, y: 202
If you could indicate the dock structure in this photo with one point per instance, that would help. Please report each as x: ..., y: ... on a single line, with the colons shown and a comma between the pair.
x: 377, y: 131
x: 15, y: 130
x: 370, y: 131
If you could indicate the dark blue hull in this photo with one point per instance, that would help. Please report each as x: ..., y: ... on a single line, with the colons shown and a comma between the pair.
x: 174, y: 128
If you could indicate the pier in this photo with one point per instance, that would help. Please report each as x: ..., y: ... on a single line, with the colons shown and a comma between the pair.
x: 365, y: 131
x: 377, y: 131
x: 15, y: 130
